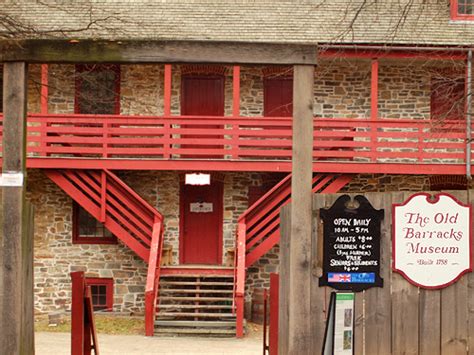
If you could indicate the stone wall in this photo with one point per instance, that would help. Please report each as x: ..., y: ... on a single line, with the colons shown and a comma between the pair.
x: 341, y: 89
x: 56, y: 256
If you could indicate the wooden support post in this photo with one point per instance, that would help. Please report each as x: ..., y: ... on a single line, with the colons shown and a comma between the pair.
x: 77, y: 313
x: 167, y: 88
x: 15, y: 241
x: 44, y: 88
x: 299, y: 341
x: 374, y: 106
x: 167, y: 112
x: 236, y: 92
x: 235, y: 111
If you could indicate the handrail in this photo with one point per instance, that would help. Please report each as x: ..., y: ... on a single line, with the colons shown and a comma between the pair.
x: 83, y: 329
x: 153, y: 276
x: 140, y: 199
x: 270, y: 192
x: 268, y: 207
x: 239, y: 288
x: 268, y: 139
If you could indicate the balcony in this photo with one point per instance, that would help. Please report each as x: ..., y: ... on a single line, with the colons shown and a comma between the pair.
x: 344, y: 145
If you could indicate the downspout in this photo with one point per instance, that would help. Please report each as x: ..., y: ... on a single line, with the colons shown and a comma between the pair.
x: 469, y: 115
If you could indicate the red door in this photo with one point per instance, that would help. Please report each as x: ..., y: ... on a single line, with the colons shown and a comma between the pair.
x: 278, y: 97
x: 201, y: 224
x: 202, y: 95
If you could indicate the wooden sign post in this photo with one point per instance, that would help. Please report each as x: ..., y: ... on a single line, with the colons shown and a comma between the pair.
x: 301, y: 212
x: 16, y: 307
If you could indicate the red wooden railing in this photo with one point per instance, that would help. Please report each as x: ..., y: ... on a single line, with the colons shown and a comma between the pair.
x: 258, y: 229
x: 153, y: 277
x: 108, y: 199
x: 351, y: 140
x: 127, y: 215
x: 83, y: 331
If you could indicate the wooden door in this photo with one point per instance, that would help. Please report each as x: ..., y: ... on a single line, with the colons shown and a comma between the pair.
x: 200, y: 96
x: 201, y: 224
x: 278, y: 97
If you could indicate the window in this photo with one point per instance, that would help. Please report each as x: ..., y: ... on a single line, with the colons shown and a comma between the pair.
x: 278, y: 96
x: 97, y: 89
x: 448, y: 182
x: 447, y: 97
x: 87, y: 230
x: 462, y: 9
x: 102, y: 291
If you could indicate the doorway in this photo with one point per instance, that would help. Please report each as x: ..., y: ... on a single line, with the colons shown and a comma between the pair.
x: 202, y: 95
x: 201, y: 223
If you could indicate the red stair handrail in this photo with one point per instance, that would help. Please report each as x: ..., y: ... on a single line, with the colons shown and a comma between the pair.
x: 139, y: 199
x: 153, y: 276
x: 278, y: 196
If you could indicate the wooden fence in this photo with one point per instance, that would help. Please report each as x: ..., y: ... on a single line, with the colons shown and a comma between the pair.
x: 398, y: 318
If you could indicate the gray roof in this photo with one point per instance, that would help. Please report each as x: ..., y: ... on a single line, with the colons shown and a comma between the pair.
x: 424, y: 22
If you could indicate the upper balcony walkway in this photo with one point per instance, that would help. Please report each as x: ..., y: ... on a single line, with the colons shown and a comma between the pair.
x: 370, y: 142
x: 408, y: 146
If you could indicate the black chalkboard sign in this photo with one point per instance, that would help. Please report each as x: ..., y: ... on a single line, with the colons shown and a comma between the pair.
x: 351, y: 251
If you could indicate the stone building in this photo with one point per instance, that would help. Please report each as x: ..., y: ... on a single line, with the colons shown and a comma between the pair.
x: 113, y: 147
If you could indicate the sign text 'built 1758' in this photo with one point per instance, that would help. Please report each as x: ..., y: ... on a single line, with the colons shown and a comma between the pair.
x: 432, y: 240
x: 351, y: 252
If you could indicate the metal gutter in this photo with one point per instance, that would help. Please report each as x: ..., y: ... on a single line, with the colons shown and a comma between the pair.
x: 469, y: 115
x: 322, y: 47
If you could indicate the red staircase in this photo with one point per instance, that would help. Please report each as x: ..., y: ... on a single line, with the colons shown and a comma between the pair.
x: 258, y: 229
x: 124, y: 213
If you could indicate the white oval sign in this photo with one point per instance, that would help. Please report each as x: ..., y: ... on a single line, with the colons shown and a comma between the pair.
x: 432, y: 240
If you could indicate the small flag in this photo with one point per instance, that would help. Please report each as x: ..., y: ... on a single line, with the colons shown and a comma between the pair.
x: 342, y: 277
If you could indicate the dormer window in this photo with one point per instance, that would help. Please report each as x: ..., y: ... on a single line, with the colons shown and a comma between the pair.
x: 462, y: 10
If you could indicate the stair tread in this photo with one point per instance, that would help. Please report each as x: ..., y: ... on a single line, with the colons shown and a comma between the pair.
x: 197, y: 306
x: 190, y: 323
x: 193, y: 331
x: 178, y: 298
x: 201, y: 276
x: 196, y: 283
x: 193, y: 314
x: 173, y: 290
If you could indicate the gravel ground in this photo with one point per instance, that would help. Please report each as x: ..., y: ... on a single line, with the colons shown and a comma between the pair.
x: 59, y: 344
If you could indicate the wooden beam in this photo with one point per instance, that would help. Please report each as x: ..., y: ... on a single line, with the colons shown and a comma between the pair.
x: 88, y: 51
x: 300, y: 334
x: 15, y: 241
x: 284, y: 287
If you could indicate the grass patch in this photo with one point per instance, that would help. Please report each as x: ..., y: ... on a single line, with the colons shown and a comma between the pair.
x: 105, y: 324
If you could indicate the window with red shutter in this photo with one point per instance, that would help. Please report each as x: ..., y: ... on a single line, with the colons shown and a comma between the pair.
x: 102, y: 292
x: 447, y: 97
x: 97, y: 89
x: 462, y: 9
x: 278, y: 96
